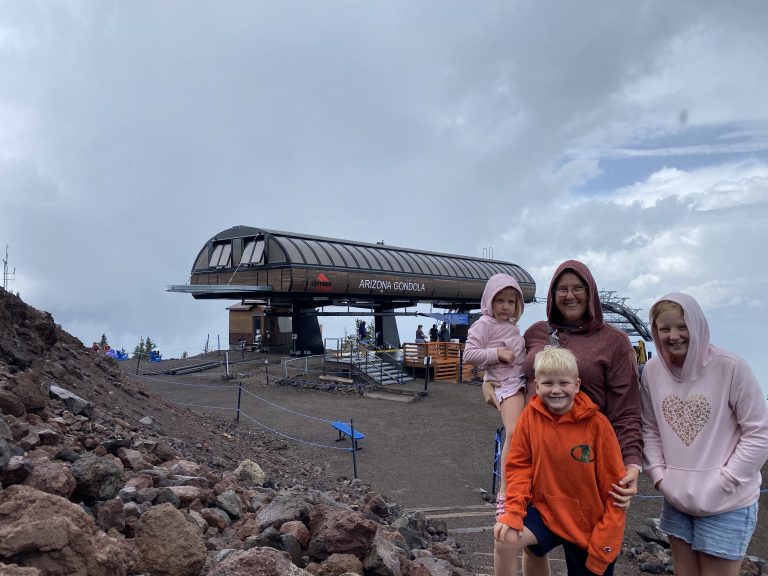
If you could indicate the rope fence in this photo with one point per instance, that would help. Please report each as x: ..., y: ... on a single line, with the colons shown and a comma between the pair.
x: 241, y: 412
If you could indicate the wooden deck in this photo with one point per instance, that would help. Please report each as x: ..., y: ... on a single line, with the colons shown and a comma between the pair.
x: 445, y: 362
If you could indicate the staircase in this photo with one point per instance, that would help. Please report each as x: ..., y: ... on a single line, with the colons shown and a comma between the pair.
x: 377, y: 367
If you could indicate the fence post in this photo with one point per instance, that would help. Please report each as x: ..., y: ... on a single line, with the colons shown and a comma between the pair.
x: 266, y: 371
x: 427, y: 361
x: 354, y: 448
x: 239, y: 395
x: 226, y: 361
x: 461, y: 365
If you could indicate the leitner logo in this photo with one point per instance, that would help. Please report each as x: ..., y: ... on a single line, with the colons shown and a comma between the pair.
x: 321, y: 283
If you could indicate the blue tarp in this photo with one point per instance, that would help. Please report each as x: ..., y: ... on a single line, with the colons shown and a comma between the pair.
x: 451, y: 318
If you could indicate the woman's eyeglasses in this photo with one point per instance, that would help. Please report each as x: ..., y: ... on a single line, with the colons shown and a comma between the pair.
x: 578, y: 290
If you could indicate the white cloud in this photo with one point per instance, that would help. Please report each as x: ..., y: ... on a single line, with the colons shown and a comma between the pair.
x: 133, y: 132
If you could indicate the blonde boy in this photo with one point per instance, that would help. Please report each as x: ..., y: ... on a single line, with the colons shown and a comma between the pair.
x: 562, y: 462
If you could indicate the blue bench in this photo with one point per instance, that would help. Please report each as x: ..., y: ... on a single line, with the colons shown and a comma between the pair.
x: 345, y: 431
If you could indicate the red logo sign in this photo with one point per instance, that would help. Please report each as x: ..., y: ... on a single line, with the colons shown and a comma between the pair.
x: 321, y: 283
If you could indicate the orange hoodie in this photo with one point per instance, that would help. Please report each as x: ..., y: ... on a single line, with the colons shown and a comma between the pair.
x: 565, y: 469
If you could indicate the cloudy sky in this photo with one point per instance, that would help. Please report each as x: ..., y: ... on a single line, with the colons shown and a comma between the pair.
x: 630, y: 135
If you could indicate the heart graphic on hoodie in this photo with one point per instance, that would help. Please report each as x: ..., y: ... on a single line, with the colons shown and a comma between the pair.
x: 686, y: 417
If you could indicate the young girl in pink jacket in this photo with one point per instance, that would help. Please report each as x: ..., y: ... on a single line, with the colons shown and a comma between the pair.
x: 494, y: 343
x: 705, y: 435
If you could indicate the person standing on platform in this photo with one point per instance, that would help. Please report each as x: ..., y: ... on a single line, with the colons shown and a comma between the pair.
x: 434, y: 336
x: 420, y: 336
x: 607, y: 368
x: 705, y: 433
x: 494, y: 344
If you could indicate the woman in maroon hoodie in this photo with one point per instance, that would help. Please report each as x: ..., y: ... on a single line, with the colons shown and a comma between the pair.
x: 607, y: 368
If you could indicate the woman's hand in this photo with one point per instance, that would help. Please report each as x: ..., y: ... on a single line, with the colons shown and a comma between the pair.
x: 490, y: 395
x: 626, y: 488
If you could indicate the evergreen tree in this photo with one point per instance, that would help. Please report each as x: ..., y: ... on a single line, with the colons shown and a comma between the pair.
x: 103, y: 342
x: 149, y: 345
x: 139, y: 350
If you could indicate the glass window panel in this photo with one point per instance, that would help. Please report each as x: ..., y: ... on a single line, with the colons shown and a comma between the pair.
x: 461, y: 267
x: 349, y: 257
x: 437, y: 267
x: 215, y: 255
x: 248, y: 251
x: 322, y: 253
x: 397, y: 261
x: 420, y: 267
x: 309, y: 255
x: 226, y: 255
x: 448, y: 265
x: 202, y: 260
x: 336, y: 255
x: 292, y: 251
x: 362, y: 258
x: 478, y: 272
x: 276, y: 252
x: 423, y: 264
x: 372, y: 258
x: 410, y: 265
x: 258, y: 251
x: 383, y: 258
x: 389, y: 262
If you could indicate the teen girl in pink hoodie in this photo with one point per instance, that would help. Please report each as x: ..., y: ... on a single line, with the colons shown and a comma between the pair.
x: 705, y: 435
x: 494, y: 343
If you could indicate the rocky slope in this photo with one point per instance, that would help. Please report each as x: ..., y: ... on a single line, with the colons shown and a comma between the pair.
x: 101, y: 477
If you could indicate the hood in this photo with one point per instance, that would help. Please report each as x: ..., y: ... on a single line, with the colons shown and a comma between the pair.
x: 594, y: 309
x: 698, y: 337
x: 496, y: 284
x: 583, y: 407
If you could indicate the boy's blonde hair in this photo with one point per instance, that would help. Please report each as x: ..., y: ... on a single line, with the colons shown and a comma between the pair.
x: 553, y: 360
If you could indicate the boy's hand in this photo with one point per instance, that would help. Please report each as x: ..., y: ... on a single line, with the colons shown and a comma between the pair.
x: 502, y: 533
x: 626, y: 488
x: 505, y: 356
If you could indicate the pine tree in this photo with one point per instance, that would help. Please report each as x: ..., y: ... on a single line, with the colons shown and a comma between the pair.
x: 139, y: 350
x: 103, y: 342
x: 149, y: 345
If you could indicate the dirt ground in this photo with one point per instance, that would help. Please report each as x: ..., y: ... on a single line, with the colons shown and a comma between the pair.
x: 433, y: 453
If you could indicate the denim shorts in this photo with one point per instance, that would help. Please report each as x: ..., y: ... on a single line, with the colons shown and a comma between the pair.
x: 575, y: 557
x: 723, y: 535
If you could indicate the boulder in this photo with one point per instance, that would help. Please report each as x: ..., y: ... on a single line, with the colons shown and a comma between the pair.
x: 230, y: 502
x: 337, y: 564
x: 16, y: 570
x: 383, y: 557
x: 283, y: 509
x: 249, y: 473
x: 339, y: 530
x: 257, y: 562
x: 44, y: 531
x: 168, y: 543
x: 72, y: 401
x: 52, y: 477
x: 97, y: 478
x: 431, y: 566
x: 298, y: 530
x: 26, y: 387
